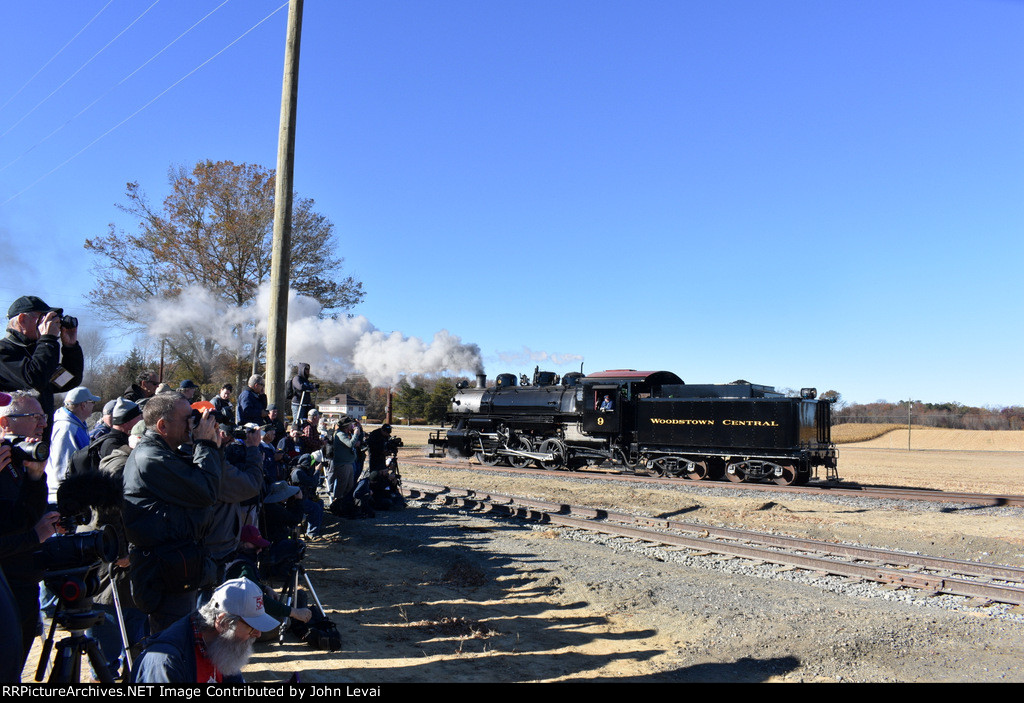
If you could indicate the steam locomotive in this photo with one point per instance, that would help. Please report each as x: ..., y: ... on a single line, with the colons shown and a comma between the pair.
x: 647, y: 422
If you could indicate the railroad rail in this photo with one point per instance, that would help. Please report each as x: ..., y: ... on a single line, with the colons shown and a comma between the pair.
x: 837, y: 489
x: 989, y: 582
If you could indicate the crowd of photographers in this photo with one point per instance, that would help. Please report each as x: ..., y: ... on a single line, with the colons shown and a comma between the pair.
x: 150, y: 526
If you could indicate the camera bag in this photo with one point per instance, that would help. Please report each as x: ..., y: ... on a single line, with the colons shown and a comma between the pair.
x: 319, y: 633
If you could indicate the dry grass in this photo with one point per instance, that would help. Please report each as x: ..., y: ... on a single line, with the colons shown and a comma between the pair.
x: 934, y: 438
x: 861, y: 432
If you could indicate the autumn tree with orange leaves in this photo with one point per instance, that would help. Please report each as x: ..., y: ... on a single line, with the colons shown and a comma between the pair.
x: 214, y: 230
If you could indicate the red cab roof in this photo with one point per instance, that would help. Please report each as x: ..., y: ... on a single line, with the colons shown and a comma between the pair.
x: 660, y: 377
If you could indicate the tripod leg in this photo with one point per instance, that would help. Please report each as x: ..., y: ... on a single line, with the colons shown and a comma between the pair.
x: 120, y: 623
x: 98, y: 660
x: 44, y: 657
x: 288, y: 596
x: 309, y: 584
x: 66, y: 664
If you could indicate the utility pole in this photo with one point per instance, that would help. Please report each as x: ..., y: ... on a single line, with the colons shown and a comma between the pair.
x: 277, y: 324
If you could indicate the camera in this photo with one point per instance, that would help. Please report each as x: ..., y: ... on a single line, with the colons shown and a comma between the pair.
x: 23, y: 450
x: 392, y: 445
x: 66, y: 321
x: 242, y: 431
x: 81, y: 549
x: 278, y: 561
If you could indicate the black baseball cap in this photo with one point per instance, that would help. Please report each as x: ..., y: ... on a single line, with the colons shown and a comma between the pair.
x: 27, y: 303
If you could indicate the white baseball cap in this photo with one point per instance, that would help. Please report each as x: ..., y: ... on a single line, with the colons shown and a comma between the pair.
x: 244, y: 599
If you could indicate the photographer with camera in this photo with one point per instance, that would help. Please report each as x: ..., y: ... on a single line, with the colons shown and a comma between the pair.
x: 25, y: 518
x: 241, y: 484
x: 381, y: 475
x: 168, y: 509
x: 341, y: 478
x: 40, y: 352
x: 300, y: 390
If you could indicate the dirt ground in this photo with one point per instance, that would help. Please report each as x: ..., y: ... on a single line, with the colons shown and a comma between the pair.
x: 428, y: 595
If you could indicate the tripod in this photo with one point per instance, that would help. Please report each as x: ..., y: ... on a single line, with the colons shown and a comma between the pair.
x: 290, y: 594
x: 67, y: 660
x: 302, y: 407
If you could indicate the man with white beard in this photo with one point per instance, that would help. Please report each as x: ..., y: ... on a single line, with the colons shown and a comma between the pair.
x: 210, y: 645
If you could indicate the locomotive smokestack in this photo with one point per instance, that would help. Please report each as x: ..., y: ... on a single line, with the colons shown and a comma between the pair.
x: 481, y: 380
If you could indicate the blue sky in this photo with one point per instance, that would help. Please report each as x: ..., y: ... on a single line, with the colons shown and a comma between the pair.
x: 797, y: 193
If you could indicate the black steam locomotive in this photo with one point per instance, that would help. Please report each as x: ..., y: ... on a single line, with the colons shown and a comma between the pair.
x: 645, y: 421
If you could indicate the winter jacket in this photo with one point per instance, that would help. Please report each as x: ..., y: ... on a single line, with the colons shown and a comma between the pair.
x: 27, y: 365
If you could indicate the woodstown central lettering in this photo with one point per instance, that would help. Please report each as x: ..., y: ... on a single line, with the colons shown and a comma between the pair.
x: 726, y: 423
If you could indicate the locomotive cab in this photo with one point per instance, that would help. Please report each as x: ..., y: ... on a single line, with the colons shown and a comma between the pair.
x: 602, y: 405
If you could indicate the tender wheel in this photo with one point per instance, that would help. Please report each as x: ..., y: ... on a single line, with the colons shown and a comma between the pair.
x: 658, y: 469
x: 699, y: 473
x: 520, y: 444
x: 557, y: 449
x: 736, y: 476
x: 788, y: 477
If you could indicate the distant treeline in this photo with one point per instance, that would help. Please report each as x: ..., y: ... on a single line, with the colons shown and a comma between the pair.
x: 948, y: 415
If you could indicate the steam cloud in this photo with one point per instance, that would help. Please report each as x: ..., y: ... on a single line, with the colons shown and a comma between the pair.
x: 529, y: 356
x: 334, y: 349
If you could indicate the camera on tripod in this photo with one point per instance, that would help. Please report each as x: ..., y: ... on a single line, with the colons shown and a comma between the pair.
x: 70, y: 562
x: 392, y: 445
x: 283, y: 561
x: 24, y: 450
x: 282, y: 557
x: 71, y: 565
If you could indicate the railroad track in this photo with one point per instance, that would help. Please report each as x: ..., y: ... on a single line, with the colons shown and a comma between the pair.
x: 989, y: 582
x: 839, y: 489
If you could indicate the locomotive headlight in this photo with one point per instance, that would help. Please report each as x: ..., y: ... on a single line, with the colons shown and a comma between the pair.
x: 809, y: 393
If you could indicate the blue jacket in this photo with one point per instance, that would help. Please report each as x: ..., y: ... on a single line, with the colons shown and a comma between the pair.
x: 251, y: 406
x: 69, y: 433
x: 170, y: 657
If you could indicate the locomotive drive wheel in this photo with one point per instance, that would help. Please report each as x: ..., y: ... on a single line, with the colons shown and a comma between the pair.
x: 788, y: 477
x: 488, y: 459
x: 557, y: 450
x: 520, y: 445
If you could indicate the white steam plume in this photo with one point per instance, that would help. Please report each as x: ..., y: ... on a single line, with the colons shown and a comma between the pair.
x: 334, y: 349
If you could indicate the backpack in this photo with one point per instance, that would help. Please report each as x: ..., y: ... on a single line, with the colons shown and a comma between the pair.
x: 87, y: 459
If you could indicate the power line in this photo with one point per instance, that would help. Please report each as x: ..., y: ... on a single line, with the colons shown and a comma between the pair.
x: 129, y: 117
x: 108, y: 91
x: 79, y: 70
x: 59, y: 51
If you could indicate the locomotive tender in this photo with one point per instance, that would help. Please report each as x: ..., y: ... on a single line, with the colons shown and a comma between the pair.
x: 644, y: 421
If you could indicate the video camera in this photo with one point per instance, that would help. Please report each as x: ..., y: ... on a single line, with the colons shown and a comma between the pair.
x: 392, y: 445
x: 24, y: 450
x: 74, y: 551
